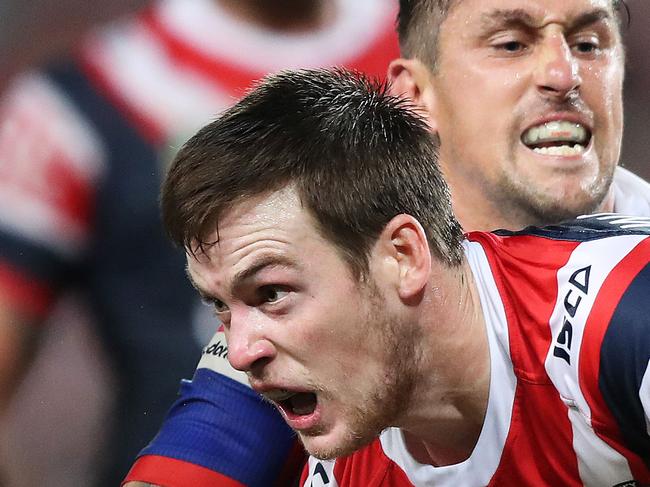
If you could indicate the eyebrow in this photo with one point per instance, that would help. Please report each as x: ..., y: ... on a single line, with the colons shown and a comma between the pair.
x: 521, y: 18
x: 205, y: 296
x: 260, y: 264
x: 243, y: 275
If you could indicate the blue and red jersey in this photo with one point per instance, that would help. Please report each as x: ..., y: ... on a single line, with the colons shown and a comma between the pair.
x: 569, y: 335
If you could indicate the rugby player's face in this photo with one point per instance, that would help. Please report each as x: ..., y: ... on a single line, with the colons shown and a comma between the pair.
x: 529, y: 106
x: 319, y: 345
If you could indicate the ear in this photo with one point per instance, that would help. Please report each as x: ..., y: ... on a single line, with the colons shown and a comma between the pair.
x: 406, y: 256
x: 411, y: 79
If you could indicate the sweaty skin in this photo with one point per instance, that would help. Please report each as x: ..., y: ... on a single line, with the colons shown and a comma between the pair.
x: 506, y: 66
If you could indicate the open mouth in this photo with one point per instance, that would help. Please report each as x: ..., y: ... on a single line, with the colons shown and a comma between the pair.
x: 557, y: 138
x: 294, y: 404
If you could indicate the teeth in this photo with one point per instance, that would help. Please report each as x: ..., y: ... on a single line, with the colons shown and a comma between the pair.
x: 280, y: 395
x: 560, y: 150
x: 554, y: 132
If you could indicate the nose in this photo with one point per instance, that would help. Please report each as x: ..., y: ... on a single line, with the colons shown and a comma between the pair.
x: 557, y: 73
x: 248, y: 348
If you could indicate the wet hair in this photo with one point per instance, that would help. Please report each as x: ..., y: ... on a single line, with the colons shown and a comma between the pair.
x: 355, y: 155
x: 419, y: 22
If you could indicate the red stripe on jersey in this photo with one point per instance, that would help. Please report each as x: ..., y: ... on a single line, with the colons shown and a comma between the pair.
x: 368, y: 467
x: 305, y: 473
x: 35, y: 166
x: 26, y: 295
x: 237, y: 79
x: 92, y: 66
x: 159, y: 470
x: 538, y: 450
x: 526, y: 271
x: 600, y: 316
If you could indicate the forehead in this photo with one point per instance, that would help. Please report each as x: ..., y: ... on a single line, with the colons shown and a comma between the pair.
x: 265, y: 228
x: 541, y: 11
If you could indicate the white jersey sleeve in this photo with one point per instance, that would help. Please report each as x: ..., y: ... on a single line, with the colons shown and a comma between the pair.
x: 631, y: 193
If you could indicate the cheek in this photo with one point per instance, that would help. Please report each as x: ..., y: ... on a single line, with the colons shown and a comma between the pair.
x: 478, y: 105
x: 608, y: 116
x: 604, y: 88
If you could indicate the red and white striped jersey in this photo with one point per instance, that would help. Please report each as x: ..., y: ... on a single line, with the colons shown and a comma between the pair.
x: 84, y: 145
x: 568, y: 324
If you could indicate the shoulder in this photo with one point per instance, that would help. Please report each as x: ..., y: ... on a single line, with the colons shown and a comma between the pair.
x: 600, y: 348
x: 631, y: 193
x: 615, y: 362
x: 35, y: 112
x: 52, y: 161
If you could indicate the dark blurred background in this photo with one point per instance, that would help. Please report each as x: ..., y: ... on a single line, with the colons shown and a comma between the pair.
x: 636, y: 140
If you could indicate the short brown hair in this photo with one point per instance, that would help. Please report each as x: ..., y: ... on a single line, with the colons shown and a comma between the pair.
x: 356, y: 155
x: 418, y: 25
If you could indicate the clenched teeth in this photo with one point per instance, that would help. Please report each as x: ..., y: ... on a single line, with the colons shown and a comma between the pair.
x: 555, y: 132
x: 560, y: 150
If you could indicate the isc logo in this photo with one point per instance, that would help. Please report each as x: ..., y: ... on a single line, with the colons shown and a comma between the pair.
x: 578, y: 288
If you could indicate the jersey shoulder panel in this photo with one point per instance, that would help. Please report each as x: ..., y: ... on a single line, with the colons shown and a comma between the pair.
x: 223, y: 426
x: 157, y: 470
x: 51, y: 161
x: 587, y: 227
x: 558, y: 293
x: 616, y: 356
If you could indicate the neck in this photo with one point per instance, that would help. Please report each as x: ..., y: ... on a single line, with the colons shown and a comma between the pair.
x: 282, y: 15
x: 450, y: 400
x: 483, y: 215
x: 481, y: 206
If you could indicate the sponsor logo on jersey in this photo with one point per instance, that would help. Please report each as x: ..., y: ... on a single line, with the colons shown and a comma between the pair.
x: 215, y: 358
x: 218, y: 349
x: 578, y: 287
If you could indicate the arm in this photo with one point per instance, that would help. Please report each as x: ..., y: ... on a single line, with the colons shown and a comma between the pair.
x: 624, y: 377
x: 18, y: 338
x: 38, y: 174
x: 615, y: 359
x: 220, y: 433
